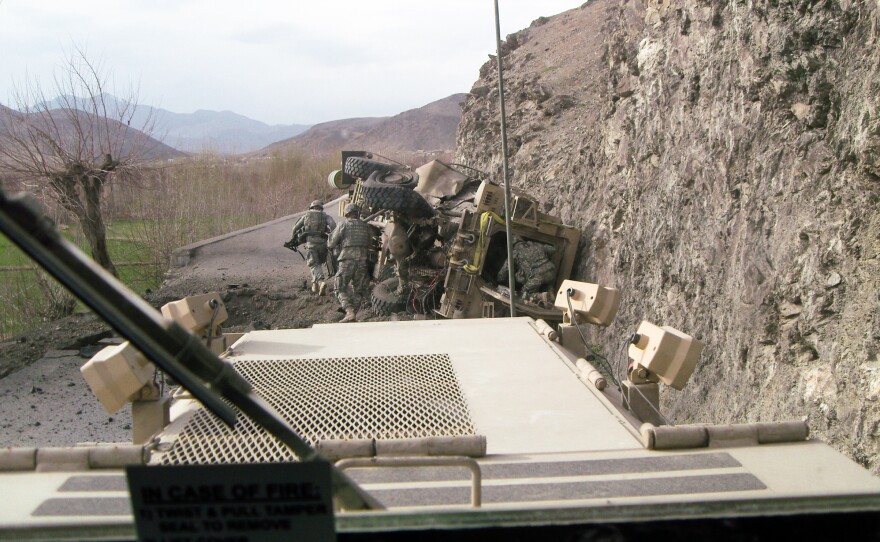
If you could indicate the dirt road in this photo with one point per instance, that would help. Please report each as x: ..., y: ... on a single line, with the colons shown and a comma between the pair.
x: 263, y: 284
x: 253, y: 256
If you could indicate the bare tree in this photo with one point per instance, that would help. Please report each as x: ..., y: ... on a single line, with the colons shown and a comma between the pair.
x: 74, y: 144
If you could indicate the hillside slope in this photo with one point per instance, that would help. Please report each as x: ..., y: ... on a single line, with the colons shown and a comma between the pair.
x: 222, y: 132
x: 327, y: 137
x: 219, y: 131
x: 127, y: 140
x: 723, y: 161
x: 431, y: 127
x: 428, y: 128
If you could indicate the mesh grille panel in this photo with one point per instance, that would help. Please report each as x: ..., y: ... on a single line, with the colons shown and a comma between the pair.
x: 382, y: 397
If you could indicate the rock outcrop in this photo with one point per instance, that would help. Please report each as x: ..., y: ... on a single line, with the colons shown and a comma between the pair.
x: 723, y: 162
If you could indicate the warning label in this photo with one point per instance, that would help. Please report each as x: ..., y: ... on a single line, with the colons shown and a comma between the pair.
x: 232, y: 503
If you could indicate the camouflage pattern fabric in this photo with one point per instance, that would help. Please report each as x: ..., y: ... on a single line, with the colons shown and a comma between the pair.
x: 316, y: 225
x: 316, y: 255
x: 533, y: 268
x: 352, y: 285
x: 353, y: 239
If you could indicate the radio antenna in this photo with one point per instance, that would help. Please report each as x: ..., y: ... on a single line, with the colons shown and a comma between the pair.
x: 508, y: 219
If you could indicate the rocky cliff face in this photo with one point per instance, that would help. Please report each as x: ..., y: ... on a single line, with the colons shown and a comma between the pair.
x: 723, y: 162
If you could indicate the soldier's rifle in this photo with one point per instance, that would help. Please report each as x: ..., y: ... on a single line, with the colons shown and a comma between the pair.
x: 331, y: 263
x: 293, y: 245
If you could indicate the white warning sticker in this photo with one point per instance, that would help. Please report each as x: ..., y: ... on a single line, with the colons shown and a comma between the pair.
x: 232, y: 503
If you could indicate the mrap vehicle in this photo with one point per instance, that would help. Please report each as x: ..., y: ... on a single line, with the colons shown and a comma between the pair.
x: 429, y: 428
x: 442, y: 241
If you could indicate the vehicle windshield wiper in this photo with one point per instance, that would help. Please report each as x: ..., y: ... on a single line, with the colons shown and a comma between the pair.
x: 167, y: 344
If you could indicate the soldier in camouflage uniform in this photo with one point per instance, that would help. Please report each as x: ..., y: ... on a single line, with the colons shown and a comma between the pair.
x: 315, y: 226
x: 352, y: 238
x: 533, y: 266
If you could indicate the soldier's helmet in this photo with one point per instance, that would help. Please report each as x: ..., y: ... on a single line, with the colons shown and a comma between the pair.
x: 351, y: 209
x: 316, y: 205
x: 514, y: 239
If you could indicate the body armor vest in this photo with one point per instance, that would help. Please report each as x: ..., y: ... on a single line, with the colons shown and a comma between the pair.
x: 316, y: 223
x: 357, y: 234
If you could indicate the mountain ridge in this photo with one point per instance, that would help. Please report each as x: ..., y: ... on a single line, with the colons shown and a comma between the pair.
x: 205, y: 130
x: 225, y: 131
x: 131, y: 140
x: 430, y: 128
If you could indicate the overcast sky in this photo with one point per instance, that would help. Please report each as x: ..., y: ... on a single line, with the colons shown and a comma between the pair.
x: 280, y: 62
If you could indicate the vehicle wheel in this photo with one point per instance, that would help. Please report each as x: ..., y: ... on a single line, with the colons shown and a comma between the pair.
x: 395, y: 198
x: 363, y: 168
x: 386, y: 273
x: 384, y: 299
x: 395, y: 177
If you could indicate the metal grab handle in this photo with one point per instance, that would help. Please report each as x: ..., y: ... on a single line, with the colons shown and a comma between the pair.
x: 453, y: 461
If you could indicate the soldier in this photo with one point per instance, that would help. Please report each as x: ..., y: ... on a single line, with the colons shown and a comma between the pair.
x: 533, y: 267
x: 352, y: 238
x: 315, y: 226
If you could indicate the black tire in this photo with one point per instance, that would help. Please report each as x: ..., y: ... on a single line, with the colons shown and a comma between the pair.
x: 363, y: 168
x: 394, y: 198
x: 386, y: 273
x: 395, y: 177
x: 384, y: 300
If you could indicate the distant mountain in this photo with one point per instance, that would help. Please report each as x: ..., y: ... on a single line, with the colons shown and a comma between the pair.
x: 429, y: 128
x: 130, y: 141
x: 329, y: 136
x: 222, y: 132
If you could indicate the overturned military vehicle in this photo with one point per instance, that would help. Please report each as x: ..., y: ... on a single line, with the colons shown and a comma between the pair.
x: 453, y: 429
x: 443, y: 242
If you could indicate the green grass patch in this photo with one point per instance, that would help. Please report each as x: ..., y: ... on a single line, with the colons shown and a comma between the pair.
x: 121, y: 242
x: 10, y: 255
x: 141, y: 278
x: 31, y: 297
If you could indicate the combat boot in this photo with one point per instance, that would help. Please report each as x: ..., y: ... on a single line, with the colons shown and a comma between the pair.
x: 314, y: 287
x: 322, y: 288
x: 349, y: 316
